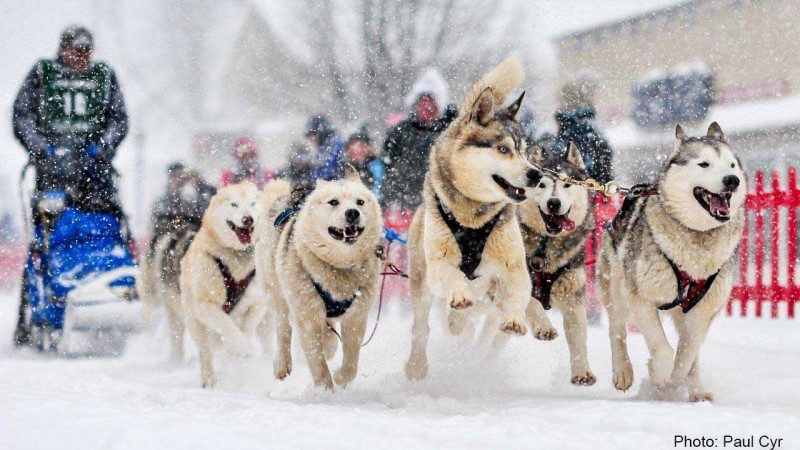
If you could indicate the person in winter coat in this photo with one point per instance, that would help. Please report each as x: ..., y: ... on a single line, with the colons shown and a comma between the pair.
x: 247, y: 165
x: 299, y: 169
x: 328, y: 148
x: 74, y: 106
x: 360, y: 154
x: 575, y: 119
x: 186, y: 199
x: 407, y: 145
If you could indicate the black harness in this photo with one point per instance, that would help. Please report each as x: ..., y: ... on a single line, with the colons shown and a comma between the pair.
x: 234, y: 290
x: 471, y: 241
x: 690, y: 291
x: 334, y: 308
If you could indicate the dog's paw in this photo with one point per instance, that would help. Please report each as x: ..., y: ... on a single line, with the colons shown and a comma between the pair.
x: 701, y: 397
x: 282, y: 368
x: 461, y: 299
x: 545, y: 333
x: 660, y: 367
x: 623, y: 377
x: 584, y: 379
x: 513, y: 326
x: 208, y: 382
x: 416, y: 371
x: 343, y: 377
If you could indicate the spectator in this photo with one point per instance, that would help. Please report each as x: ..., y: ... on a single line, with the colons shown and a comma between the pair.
x: 408, y: 144
x: 247, y: 165
x: 360, y: 153
x: 299, y: 170
x: 185, y: 200
x: 328, y: 147
x: 575, y: 119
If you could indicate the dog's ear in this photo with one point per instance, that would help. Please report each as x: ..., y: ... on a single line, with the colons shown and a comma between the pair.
x: 715, y: 132
x: 351, y: 174
x: 574, y: 156
x: 535, y: 154
x: 483, y: 107
x: 513, y: 110
x: 680, y: 134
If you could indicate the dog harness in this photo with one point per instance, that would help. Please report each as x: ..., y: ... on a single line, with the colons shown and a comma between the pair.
x: 471, y: 241
x: 334, y: 308
x: 690, y: 290
x: 542, y: 282
x: 234, y: 290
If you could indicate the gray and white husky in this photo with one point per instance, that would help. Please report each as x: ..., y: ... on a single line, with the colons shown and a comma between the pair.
x: 672, y: 252
x: 555, y: 222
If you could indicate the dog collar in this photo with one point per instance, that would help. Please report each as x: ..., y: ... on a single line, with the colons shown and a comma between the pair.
x: 334, y: 308
x: 234, y: 290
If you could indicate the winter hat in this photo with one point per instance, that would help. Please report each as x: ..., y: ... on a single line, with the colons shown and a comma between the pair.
x: 431, y: 82
x: 175, y: 167
x: 318, y: 125
x: 362, y: 134
x: 245, y: 145
x: 77, y: 37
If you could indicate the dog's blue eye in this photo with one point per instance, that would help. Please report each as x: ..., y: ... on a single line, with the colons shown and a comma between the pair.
x: 703, y: 165
x: 334, y: 202
x: 503, y: 149
x: 360, y: 202
x: 234, y: 205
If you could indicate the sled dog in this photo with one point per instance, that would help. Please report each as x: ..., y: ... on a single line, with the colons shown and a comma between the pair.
x: 465, y: 245
x: 555, y: 222
x: 670, y: 251
x: 219, y: 303
x: 317, y: 260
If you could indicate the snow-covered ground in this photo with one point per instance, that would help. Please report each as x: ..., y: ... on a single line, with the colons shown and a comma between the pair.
x: 521, y: 400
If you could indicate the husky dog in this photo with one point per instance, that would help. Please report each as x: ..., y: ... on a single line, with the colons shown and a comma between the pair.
x: 673, y: 251
x: 219, y: 303
x: 465, y: 242
x: 316, y: 258
x: 555, y: 223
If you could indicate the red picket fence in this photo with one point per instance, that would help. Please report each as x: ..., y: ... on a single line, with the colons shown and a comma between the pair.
x: 752, y: 286
x: 759, y: 279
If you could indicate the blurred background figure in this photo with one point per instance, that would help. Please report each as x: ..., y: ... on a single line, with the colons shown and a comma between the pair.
x: 407, y: 145
x: 186, y: 198
x: 575, y: 118
x: 327, y: 148
x: 299, y: 168
x: 247, y: 165
x: 360, y: 153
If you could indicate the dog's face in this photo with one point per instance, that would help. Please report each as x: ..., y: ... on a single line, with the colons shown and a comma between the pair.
x: 341, y: 220
x: 556, y: 208
x: 487, y: 162
x: 233, y: 213
x: 703, y: 184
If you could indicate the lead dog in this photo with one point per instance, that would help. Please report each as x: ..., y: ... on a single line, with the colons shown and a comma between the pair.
x: 317, y: 260
x: 672, y: 253
x: 465, y: 243
x: 555, y: 223
x: 219, y: 304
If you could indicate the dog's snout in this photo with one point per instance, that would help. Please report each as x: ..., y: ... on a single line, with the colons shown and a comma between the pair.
x: 533, y: 177
x: 731, y: 182
x: 247, y: 221
x: 352, y: 215
x: 553, y: 205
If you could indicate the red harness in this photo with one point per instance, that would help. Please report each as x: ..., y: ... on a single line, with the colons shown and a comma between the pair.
x: 234, y: 290
x: 690, y: 290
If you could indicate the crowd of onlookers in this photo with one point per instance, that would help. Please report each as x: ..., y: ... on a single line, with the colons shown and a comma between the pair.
x: 396, y: 172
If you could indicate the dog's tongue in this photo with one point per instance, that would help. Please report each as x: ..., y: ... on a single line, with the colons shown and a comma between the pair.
x: 565, y: 222
x: 718, y: 205
x: 244, y: 235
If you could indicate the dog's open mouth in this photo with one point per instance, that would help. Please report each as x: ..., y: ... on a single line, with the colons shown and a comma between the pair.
x: 244, y: 234
x: 556, y: 223
x: 718, y: 205
x: 513, y: 192
x: 348, y: 235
